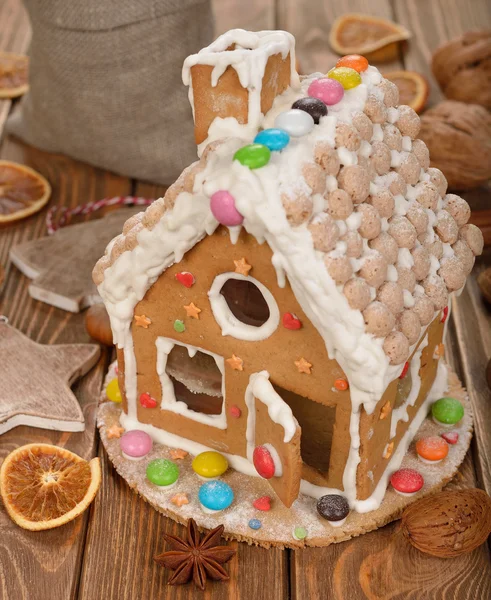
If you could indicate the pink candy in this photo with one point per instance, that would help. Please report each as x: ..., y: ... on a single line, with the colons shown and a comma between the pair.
x: 451, y: 437
x: 135, y: 444
x: 407, y: 481
x: 328, y: 90
x: 223, y: 208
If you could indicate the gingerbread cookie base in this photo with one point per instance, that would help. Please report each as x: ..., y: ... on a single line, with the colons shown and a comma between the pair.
x: 278, y: 524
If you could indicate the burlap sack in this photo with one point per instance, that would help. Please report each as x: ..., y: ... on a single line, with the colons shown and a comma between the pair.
x: 105, y: 83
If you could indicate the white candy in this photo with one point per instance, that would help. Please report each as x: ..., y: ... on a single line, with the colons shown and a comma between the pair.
x: 295, y: 122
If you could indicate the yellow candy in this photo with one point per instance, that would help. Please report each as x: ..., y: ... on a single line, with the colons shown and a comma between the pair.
x: 347, y: 77
x: 210, y: 464
x: 112, y: 391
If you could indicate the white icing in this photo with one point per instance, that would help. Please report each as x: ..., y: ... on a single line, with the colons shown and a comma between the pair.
x: 169, y: 401
x: 229, y: 323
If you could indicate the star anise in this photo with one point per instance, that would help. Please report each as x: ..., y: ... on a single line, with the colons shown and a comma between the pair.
x: 196, y: 558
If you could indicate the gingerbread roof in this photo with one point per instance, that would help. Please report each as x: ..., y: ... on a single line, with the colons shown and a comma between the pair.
x: 364, y: 229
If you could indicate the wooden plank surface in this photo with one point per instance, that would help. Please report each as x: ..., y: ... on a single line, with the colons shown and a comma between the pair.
x: 37, y: 566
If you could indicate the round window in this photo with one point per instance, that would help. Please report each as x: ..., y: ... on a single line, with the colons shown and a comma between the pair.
x: 243, y: 307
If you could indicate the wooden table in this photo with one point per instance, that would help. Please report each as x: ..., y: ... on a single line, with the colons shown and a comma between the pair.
x: 107, y: 553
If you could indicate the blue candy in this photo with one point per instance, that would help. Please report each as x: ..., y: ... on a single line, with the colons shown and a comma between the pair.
x: 255, y: 524
x: 274, y: 139
x: 215, y: 495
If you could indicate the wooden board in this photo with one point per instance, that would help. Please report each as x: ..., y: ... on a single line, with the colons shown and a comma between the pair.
x: 36, y: 381
x: 61, y: 265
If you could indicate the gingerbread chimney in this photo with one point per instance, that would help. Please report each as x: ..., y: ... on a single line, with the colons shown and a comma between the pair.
x: 239, y: 75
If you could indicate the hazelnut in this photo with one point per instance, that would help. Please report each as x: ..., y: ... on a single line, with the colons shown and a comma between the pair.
x: 383, y: 201
x: 422, y: 153
x: 378, y: 319
x: 472, y: 236
x: 392, y: 137
x: 315, y: 177
x: 370, y: 222
x: 408, y: 122
x: 354, y: 244
x: 339, y: 268
x: 435, y: 248
x: 374, y: 269
x: 324, y: 231
x: 375, y: 110
x: 446, y: 227
x: 436, y: 290
x: 452, y: 273
x: 423, y: 307
x: 298, y: 210
x: 391, y: 294
x: 402, y: 231
x: 363, y: 125
x: 406, y: 279
x: 437, y: 178
x: 357, y: 292
x: 458, y: 208
x: 398, y: 186
x: 408, y: 323
x: 427, y: 195
x: 409, y: 168
x: 396, y: 346
x: 391, y: 92
x: 380, y: 158
x: 340, y: 204
x: 354, y: 180
x: 386, y: 245
x: 347, y: 137
x: 327, y: 158
x: 422, y: 262
x: 418, y: 217
x: 465, y: 255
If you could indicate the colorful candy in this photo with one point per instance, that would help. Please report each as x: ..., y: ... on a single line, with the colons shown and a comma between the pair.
x: 407, y: 481
x: 451, y: 437
x: 179, y: 326
x: 334, y: 508
x: 113, y: 392
x: 444, y: 314
x: 263, y: 503
x: 348, y: 78
x: 291, y: 321
x: 215, y: 496
x: 186, y: 278
x: 327, y: 90
x: 222, y: 205
x: 255, y: 524
x: 404, y: 371
x: 147, y: 401
x: 210, y: 464
x: 264, y: 462
x: 341, y: 384
x: 162, y: 472
x: 274, y: 139
x: 353, y: 61
x: 299, y: 533
x: 431, y: 449
x: 135, y: 444
x: 295, y: 122
x: 448, y: 411
x: 253, y: 156
x: 235, y: 411
x: 313, y: 106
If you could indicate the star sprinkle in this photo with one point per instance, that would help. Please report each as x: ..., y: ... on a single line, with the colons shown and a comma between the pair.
x: 388, y: 450
x: 178, y: 454
x: 386, y: 408
x: 115, y: 431
x: 192, y: 310
x: 180, y: 499
x: 303, y: 366
x: 142, y: 321
x: 242, y: 267
x: 236, y: 363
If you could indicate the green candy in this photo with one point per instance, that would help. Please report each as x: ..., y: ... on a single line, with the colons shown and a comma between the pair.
x: 299, y: 533
x: 253, y: 156
x: 447, y: 410
x: 162, y: 472
x: 179, y: 326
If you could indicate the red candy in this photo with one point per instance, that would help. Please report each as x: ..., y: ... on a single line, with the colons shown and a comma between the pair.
x: 451, y: 437
x: 262, y: 503
x: 407, y: 481
x: 445, y: 314
x: 341, y: 384
x: 186, y: 278
x: 291, y: 321
x: 147, y: 401
x: 263, y: 461
x: 235, y: 411
x: 404, y: 371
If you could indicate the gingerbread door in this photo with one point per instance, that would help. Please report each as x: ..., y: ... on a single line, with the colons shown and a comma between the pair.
x: 273, y: 438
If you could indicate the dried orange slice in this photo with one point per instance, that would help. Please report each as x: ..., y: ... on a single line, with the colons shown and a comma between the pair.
x: 413, y: 88
x: 23, y: 191
x: 44, y: 486
x: 13, y: 75
x: 375, y: 38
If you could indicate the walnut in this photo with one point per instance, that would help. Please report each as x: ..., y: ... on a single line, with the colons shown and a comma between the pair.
x: 457, y: 136
x: 462, y: 65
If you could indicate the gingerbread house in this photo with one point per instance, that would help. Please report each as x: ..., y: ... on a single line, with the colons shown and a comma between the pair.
x: 289, y: 293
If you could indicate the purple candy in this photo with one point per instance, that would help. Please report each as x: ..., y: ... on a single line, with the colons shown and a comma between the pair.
x: 328, y: 90
x: 135, y: 444
x: 223, y: 208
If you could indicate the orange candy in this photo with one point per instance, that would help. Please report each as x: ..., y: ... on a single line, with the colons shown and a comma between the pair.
x: 353, y: 61
x: 432, y: 448
x: 341, y: 385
